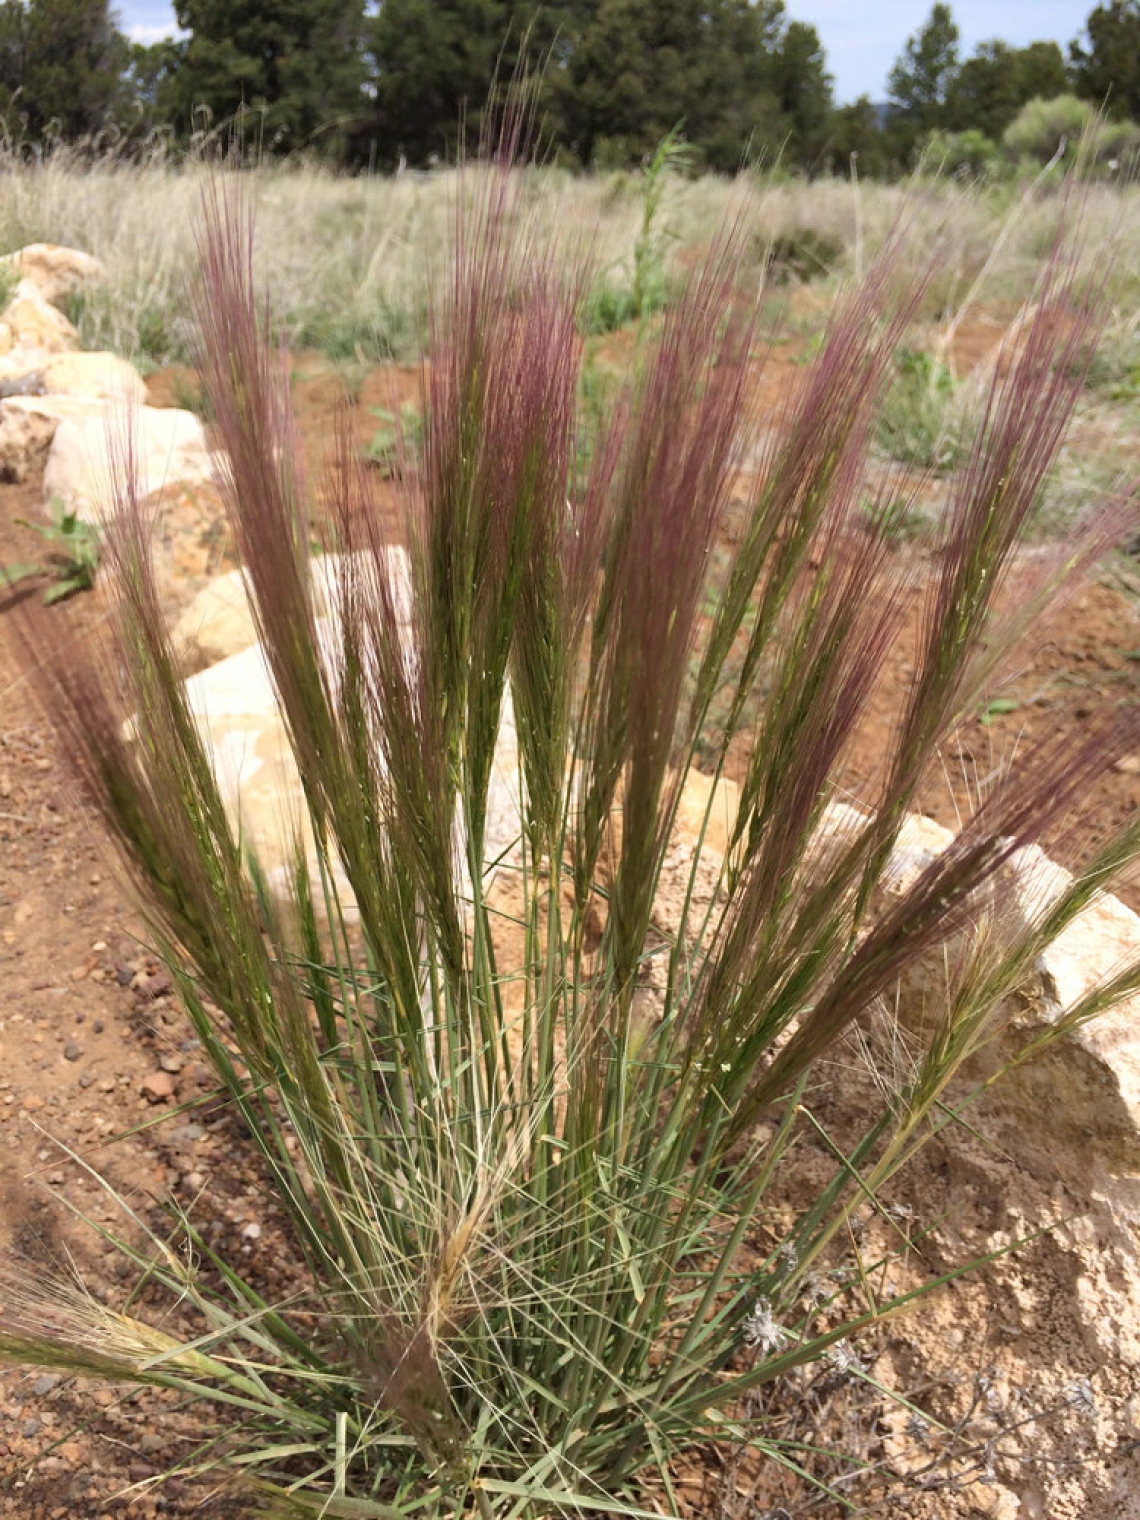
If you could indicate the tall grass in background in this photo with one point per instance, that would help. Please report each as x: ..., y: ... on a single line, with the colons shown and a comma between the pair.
x: 528, y: 1187
x: 346, y: 257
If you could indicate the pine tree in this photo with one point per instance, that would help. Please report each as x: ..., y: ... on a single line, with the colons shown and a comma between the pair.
x: 434, y: 67
x: 996, y: 81
x: 298, y: 63
x: 854, y: 132
x: 803, y: 90
x: 640, y: 67
x: 61, y: 67
x: 1106, y: 64
x: 921, y: 76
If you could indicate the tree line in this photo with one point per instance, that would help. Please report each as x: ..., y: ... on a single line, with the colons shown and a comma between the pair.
x: 401, y: 82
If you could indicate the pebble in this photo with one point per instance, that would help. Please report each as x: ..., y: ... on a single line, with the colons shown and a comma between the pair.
x: 172, y: 1064
x: 44, y: 1384
x: 252, y: 1231
x: 72, y: 1051
x: 186, y: 1134
x: 157, y: 1086
x: 87, y: 1078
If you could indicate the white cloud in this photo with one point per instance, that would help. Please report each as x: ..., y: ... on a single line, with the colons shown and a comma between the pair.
x: 141, y: 32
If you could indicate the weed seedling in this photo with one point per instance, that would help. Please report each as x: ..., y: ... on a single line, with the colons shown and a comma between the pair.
x: 73, y: 562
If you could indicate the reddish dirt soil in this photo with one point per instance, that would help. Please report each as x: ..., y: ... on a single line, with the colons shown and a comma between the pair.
x: 94, y: 1045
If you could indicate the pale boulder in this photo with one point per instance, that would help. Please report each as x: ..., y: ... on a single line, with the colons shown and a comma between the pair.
x: 31, y: 322
x: 241, y: 724
x: 94, y: 374
x: 169, y: 449
x: 706, y: 805
x: 28, y: 425
x: 54, y: 270
x: 219, y: 622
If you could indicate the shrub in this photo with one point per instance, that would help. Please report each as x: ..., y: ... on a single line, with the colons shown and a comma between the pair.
x: 802, y: 254
x: 965, y: 155
x: 537, y: 1211
x: 1041, y: 127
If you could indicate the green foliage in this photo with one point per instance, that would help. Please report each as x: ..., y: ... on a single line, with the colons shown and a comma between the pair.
x: 192, y: 396
x: 802, y: 87
x: 921, y: 77
x: 917, y: 423
x: 398, y: 438
x: 61, y: 68
x: 434, y: 63
x: 72, y: 563
x: 1042, y: 127
x: 802, y: 254
x: 287, y: 74
x: 1106, y: 63
x: 992, y: 85
x: 613, y: 303
x: 965, y: 155
x: 1115, y: 367
x: 856, y: 138
x: 9, y: 279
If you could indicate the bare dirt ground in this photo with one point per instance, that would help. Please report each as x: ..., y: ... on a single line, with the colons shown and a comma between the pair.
x: 94, y: 1047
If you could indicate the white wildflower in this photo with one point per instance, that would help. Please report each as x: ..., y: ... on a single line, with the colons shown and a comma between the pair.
x: 761, y: 1330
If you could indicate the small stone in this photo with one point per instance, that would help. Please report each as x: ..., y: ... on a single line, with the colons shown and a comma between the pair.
x: 97, y: 1027
x: 152, y: 987
x: 72, y: 1051
x: 124, y: 974
x: 1128, y: 765
x: 193, y: 1181
x: 33, y: 1102
x: 86, y: 1079
x: 252, y: 1231
x: 44, y: 1384
x: 186, y: 1134
x: 158, y: 1086
x: 172, y: 1064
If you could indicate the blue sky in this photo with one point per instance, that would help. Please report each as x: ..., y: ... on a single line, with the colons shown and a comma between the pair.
x: 862, y: 41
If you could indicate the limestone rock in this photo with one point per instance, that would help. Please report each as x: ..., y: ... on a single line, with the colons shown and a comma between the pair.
x: 215, y: 625
x: 701, y: 798
x: 55, y: 270
x: 218, y: 621
x: 32, y: 322
x: 28, y: 425
x: 169, y: 449
x: 94, y: 374
x: 236, y: 708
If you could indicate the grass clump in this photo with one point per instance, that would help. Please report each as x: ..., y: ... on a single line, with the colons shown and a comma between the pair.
x: 513, y: 1116
x: 919, y: 422
x: 802, y: 255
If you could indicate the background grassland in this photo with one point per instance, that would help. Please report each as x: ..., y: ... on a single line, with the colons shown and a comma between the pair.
x: 346, y: 257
